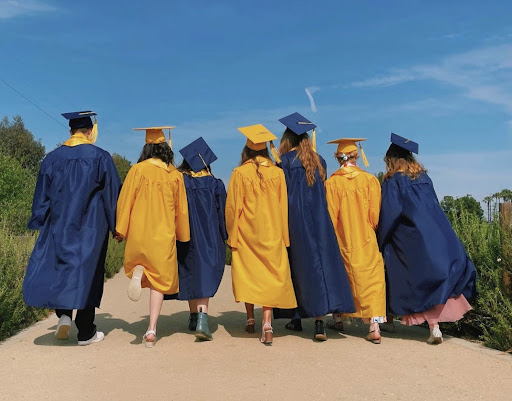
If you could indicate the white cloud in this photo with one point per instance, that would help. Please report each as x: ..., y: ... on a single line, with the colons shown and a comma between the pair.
x: 482, y: 74
x: 15, y: 8
x: 309, y: 92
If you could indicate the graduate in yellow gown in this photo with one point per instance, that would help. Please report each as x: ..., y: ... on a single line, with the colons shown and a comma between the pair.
x: 257, y: 226
x: 353, y: 199
x: 152, y: 213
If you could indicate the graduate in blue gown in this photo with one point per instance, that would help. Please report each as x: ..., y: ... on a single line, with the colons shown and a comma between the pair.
x: 201, y: 261
x: 430, y: 276
x: 74, y: 209
x: 318, y: 273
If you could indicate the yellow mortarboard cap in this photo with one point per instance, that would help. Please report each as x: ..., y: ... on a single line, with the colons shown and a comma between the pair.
x: 257, y: 136
x: 156, y: 134
x: 347, y: 145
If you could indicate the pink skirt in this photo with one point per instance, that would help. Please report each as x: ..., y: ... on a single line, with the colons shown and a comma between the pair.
x: 453, y: 310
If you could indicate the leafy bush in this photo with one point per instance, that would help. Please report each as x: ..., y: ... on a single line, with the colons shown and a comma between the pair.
x: 14, y: 255
x: 16, y: 191
x: 115, y: 258
x: 491, y: 318
x: 228, y: 254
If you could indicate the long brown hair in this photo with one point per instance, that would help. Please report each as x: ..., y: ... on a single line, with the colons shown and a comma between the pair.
x: 403, y: 161
x: 249, y: 154
x: 307, y: 156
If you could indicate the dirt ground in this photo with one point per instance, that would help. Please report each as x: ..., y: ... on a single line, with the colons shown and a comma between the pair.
x: 235, y: 366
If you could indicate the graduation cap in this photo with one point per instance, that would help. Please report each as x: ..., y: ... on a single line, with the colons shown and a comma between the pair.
x: 404, y: 143
x: 79, y: 119
x: 156, y: 134
x: 347, y: 145
x: 198, y: 155
x: 299, y: 125
x: 257, y: 138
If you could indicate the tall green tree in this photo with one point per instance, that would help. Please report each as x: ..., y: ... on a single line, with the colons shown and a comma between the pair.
x: 122, y: 165
x: 454, y: 206
x: 18, y: 142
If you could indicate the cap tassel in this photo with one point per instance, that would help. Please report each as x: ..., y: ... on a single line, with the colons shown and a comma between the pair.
x: 313, y: 140
x: 170, y: 142
x: 205, y: 165
x: 94, y: 132
x: 274, y: 152
x: 365, y: 160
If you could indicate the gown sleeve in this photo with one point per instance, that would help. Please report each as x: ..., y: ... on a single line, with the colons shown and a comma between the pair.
x: 112, y: 185
x: 41, y: 201
x: 126, y: 199
x: 283, y: 202
x: 220, y: 201
x: 374, y: 202
x: 181, y: 209
x: 234, y: 202
x: 390, y: 211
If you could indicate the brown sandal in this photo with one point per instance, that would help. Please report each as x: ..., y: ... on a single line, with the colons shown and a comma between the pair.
x: 370, y: 338
x: 267, y: 334
x: 249, y: 325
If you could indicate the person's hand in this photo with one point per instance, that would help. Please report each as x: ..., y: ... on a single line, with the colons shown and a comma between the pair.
x: 118, y: 237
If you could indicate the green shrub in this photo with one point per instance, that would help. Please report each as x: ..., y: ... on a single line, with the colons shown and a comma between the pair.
x: 491, y: 318
x: 228, y: 254
x: 115, y: 258
x: 16, y: 191
x: 14, y: 314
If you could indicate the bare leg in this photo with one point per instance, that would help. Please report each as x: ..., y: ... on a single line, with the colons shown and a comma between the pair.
x: 266, y: 329
x: 192, y: 305
x: 156, y: 300
x: 249, y: 324
x: 202, y: 305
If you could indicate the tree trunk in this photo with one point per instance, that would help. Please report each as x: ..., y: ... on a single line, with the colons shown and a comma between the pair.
x: 506, y: 242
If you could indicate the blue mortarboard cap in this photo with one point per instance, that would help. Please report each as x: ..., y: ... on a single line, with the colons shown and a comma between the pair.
x: 297, y: 123
x: 79, y: 119
x: 404, y: 143
x: 198, y: 154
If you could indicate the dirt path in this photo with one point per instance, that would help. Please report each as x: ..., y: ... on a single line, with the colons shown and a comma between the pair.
x: 235, y: 366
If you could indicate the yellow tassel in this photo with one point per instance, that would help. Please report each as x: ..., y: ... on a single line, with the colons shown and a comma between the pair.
x: 313, y: 140
x: 170, y: 142
x: 94, y: 132
x: 365, y: 160
x: 274, y: 152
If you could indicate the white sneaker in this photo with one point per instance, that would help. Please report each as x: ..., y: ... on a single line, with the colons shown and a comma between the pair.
x: 436, y: 337
x: 62, y: 332
x: 96, y: 338
x: 135, y: 287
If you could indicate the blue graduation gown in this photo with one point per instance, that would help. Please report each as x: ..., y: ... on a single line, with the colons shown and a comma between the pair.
x: 318, y: 272
x: 201, y: 261
x: 425, y: 261
x: 74, y: 208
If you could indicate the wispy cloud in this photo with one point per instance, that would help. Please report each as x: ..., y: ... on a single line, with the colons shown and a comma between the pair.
x: 309, y: 92
x: 15, y: 8
x: 482, y: 74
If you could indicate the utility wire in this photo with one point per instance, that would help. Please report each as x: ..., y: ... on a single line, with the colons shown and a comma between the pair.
x: 32, y: 103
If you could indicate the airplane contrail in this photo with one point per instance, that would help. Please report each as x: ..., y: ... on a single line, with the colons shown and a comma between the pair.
x: 309, y: 92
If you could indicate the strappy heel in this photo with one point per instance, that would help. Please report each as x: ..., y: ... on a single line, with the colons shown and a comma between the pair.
x: 267, y: 334
x: 370, y: 338
x: 249, y: 325
x: 147, y: 343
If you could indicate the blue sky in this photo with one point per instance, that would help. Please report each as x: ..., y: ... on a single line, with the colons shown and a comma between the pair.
x: 438, y: 72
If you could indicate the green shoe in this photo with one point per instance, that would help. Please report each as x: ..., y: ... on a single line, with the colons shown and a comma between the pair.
x: 202, y: 329
x: 192, y: 321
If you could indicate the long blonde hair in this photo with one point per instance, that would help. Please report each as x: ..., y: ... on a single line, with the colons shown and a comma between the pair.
x: 400, y: 160
x: 307, y: 156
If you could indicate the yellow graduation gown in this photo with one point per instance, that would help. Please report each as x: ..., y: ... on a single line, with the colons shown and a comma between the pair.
x: 257, y: 226
x: 353, y: 199
x: 152, y: 213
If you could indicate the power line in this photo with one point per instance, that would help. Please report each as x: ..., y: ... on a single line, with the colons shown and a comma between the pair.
x: 32, y: 103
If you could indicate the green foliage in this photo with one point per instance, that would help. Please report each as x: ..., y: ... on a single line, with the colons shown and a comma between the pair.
x: 492, y: 314
x: 228, y: 254
x: 14, y: 314
x: 453, y: 206
x: 122, y: 165
x: 16, y: 191
x: 19, y: 143
x: 380, y: 176
x: 115, y: 258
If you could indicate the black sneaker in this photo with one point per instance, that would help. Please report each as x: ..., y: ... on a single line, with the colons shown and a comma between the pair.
x: 294, y: 325
x: 319, y: 334
x: 192, y: 321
